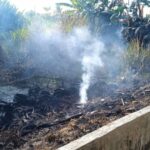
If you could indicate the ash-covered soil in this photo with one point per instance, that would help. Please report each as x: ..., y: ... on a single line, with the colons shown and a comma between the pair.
x: 43, y: 119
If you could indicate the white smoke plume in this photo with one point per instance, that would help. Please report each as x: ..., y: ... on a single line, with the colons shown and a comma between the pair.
x: 90, y: 61
x: 75, y: 55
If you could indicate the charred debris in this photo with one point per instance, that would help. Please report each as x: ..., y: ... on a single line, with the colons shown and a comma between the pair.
x: 43, y: 110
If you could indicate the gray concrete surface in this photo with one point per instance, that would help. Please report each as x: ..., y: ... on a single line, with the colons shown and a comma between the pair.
x: 131, y: 132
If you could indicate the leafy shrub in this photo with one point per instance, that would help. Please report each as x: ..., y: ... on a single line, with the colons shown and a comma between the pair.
x: 12, y: 26
x: 11, y: 19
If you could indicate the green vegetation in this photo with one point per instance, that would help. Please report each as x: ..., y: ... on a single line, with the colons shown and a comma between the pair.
x: 97, y: 12
x: 11, y: 28
x: 14, y: 30
x: 97, y: 15
x: 70, y: 20
x: 137, y: 58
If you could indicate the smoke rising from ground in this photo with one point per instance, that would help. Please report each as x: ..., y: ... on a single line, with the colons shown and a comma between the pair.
x: 78, y: 54
x: 75, y: 55
x: 90, y: 61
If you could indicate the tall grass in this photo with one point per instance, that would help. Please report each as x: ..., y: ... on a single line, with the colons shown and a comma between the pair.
x: 71, y: 19
x: 137, y: 58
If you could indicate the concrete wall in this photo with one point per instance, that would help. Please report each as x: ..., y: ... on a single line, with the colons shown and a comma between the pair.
x: 131, y: 132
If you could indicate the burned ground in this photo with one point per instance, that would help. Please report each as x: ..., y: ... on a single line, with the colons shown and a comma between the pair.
x: 44, y: 119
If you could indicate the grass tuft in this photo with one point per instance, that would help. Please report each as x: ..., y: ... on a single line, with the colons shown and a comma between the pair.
x: 70, y: 19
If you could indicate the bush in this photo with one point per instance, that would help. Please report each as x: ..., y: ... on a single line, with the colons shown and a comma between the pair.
x: 12, y: 30
x: 11, y: 19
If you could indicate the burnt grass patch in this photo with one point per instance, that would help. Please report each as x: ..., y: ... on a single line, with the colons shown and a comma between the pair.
x: 43, y: 119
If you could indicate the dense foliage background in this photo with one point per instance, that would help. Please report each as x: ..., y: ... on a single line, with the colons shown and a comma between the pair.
x: 103, y: 17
